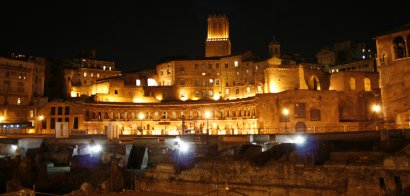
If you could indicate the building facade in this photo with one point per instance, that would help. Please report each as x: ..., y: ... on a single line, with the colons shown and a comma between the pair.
x: 222, y: 93
x: 393, y: 61
x: 21, y: 88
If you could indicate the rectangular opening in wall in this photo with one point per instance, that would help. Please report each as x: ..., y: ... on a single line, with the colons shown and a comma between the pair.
x: 399, y: 186
x: 52, y: 123
x: 75, y: 126
x: 382, y: 183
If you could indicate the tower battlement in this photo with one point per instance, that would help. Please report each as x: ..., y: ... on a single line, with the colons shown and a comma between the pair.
x: 217, y: 41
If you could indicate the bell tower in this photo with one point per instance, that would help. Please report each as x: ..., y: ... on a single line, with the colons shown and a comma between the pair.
x: 217, y: 42
x: 274, y: 48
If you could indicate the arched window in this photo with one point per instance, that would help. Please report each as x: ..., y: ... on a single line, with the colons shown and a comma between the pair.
x: 367, y: 85
x: 383, y: 58
x: 352, y: 84
x: 105, y: 115
x: 399, y: 47
x: 314, y: 83
x: 152, y: 82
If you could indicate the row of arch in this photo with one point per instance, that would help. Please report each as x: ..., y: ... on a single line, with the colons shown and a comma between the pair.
x: 173, y: 115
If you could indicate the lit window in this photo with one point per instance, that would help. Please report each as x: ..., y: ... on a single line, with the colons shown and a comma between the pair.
x: 363, y: 57
x: 98, y: 75
x: 211, y: 81
x: 91, y: 75
x: 109, y: 68
x: 18, y: 101
x: 152, y: 82
x: 236, y: 64
x: 248, y: 90
x: 20, y: 76
x: 85, y: 74
x: 227, y: 91
x: 211, y: 93
x: 104, y: 67
x: 203, y: 73
x: 138, y: 82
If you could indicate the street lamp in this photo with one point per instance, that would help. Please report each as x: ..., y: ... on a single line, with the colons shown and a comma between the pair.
x: 285, y: 112
x: 141, y: 116
x: 376, y: 109
x: 207, y: 117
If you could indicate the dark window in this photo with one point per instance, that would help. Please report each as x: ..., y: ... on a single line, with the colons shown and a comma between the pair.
x: 182, y: 70
x: 399, y: 47
x: 44, y: 124
x: 60, y: 119
x: 115, y: 91
x: 382, y: 183
x: 60, y: 111
x: 237, y: 91
x: 196, y: 66
x: 315, y: 115
x: 67, y: 110
x: 52, y: 123
x: 399, y: 186
x: 181, y: 82
x: 99, y: 115
x: 67, y: 120
x: 53, y: 111
x: 217, y: 65
x: 75, y: 123
x: 299, y: 110
x: 226, y: 65
x: 210, y: 66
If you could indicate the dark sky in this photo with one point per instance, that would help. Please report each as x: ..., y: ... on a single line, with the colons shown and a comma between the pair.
x: 136, y: 34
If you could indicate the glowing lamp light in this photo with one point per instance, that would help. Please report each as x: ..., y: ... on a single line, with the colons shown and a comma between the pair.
x: 299, y: 140
x: 376, y: 108
x: 285, y: 112
x: 14, y: 147
x: 207, y: 114
x: 41, y: 117
x: 96, y: 148
x: 141, y: 116
x: 1, y: 118
x: 273, y: 88
x: 137, y: 100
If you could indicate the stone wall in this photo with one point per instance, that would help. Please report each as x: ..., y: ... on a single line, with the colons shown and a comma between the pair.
x: 353, y: 173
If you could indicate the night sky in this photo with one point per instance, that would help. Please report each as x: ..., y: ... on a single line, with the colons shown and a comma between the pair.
x: 137, y: 34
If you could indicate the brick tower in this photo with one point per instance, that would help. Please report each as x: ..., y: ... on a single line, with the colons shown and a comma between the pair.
x: 217, y: 42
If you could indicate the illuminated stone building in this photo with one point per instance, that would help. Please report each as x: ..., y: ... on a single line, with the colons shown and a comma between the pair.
x: 84, y: 72
x: 21, y: 87
x: 222, y: 93
x: 393, y: 62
